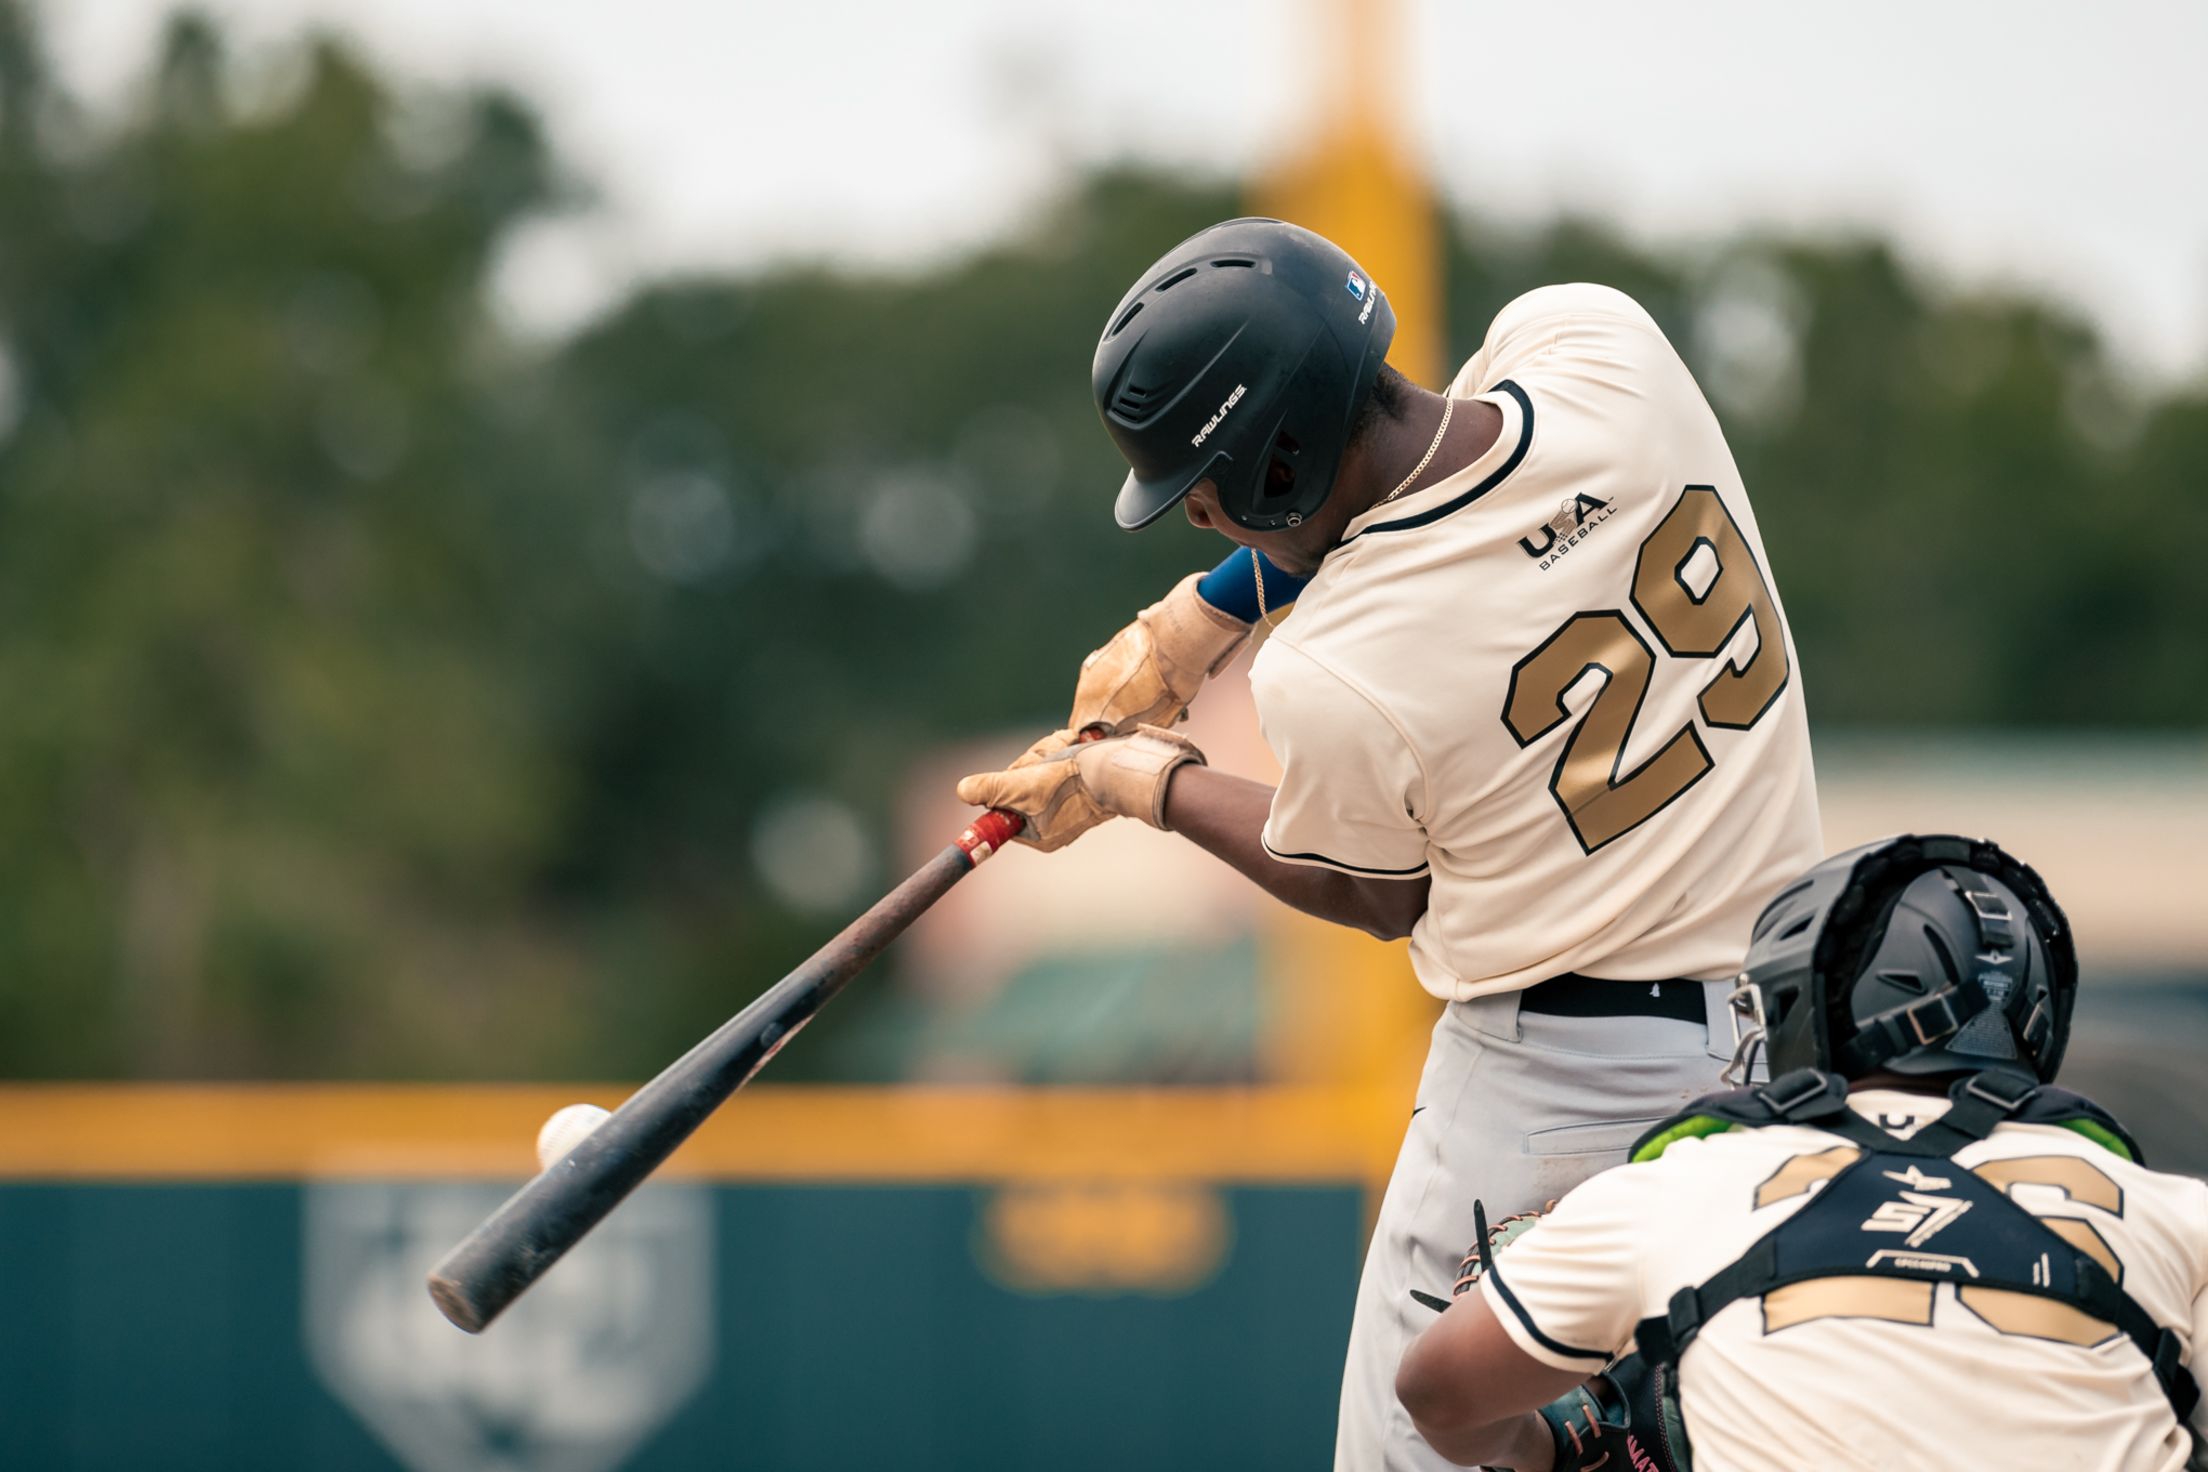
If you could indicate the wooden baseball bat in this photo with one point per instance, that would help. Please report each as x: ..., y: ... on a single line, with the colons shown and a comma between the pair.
x: 519, y: 1242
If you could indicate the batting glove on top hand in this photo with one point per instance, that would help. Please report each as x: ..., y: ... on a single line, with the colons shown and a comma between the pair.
x: 1152, y: 669
x: 1064, y: 786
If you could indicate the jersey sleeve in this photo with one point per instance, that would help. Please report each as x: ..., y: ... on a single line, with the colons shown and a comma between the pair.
x: 1535, y: 324
x: 1246, y: 586
x: 1351, y: 789
x: 1568, y: 1290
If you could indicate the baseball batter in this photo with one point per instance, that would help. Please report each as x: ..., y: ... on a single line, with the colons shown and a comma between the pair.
x: 1536, y: 707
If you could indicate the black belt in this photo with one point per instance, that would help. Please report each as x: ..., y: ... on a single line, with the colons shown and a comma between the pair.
x: 1573, y: 995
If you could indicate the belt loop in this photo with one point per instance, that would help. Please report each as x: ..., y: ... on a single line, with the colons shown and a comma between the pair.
x: 1495, y: 1014
x: 1717, y: 1016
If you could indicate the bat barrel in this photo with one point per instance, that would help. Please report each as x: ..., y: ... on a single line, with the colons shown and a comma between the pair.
x: 518, y: 1243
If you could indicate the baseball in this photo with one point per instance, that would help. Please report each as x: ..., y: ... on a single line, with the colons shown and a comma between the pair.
x: 565, y: 1130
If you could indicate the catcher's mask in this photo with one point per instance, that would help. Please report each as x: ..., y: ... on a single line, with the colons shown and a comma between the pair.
x: 1917, y: 955
x: 1242, y: 357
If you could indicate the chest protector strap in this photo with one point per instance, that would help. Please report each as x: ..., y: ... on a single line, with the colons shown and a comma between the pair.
x: 1903, y: 1214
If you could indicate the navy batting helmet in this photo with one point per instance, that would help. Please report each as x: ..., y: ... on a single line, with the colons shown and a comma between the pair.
x: 1242, y: 357
x: 1916, y: 955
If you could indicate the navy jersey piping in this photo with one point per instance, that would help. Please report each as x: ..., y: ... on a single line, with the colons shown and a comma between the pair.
x: 1553, y: 1346
x: 1411, y: 873
x: 1496, y: 478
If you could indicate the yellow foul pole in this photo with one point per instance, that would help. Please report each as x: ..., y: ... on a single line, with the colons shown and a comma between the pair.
x: 1352, y: 175
x: 1346, y: 1009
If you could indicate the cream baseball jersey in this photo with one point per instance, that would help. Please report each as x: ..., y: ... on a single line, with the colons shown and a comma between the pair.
x: 1840, y: 1376
x: 1559, y: 681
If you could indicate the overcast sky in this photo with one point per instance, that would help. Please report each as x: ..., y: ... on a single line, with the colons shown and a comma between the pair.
x: 2059, y: 145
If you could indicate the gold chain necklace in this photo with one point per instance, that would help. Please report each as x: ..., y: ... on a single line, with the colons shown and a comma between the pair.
x: 1448, y: 407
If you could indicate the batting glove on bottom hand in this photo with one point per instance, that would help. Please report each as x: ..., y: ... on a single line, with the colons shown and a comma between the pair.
x: 1064, y: 786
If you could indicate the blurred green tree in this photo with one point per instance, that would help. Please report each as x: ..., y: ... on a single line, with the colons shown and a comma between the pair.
x: 385, y: 696
x: 278, y: 614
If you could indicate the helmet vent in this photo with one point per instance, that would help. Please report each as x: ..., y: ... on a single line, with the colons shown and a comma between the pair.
x: 1136, y: 403
x: 1775, y: 911
x: 1235, y: 261
x: 1797, y: 927
x: 1176, y: 278
x: 1124, y: 318
x: 1947, y: 957
x: 1908, y: 981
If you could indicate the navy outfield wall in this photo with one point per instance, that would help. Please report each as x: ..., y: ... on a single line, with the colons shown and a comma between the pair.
x: 1073, y: 1281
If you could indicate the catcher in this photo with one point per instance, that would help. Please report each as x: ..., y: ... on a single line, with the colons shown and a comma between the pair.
x: 1907, y: 1250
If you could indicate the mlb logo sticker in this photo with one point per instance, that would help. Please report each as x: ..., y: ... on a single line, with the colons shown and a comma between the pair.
x: 1356, y: 286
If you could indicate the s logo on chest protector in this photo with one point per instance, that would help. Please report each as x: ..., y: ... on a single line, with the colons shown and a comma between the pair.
x: 1916, y: 1213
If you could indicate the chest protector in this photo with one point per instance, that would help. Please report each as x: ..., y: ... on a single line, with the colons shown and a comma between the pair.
x: 1895, y: 1218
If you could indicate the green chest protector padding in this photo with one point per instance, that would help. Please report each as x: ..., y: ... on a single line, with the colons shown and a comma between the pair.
x: 1894, y: 1218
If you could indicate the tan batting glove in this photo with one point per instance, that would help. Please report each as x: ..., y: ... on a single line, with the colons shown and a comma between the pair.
x: 1152, y: 669
x: 1064, y: 786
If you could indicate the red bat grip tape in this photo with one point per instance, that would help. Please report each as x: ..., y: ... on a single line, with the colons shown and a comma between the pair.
x: 988, y: 833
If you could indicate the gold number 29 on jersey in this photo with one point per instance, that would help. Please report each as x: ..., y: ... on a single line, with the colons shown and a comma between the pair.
x: 1695, y: 582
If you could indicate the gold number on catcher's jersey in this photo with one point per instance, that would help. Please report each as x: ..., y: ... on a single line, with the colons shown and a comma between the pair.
x: 1696, y: 582
x: 2022, y: 1313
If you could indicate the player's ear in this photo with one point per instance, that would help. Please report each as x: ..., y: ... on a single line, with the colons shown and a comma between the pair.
x: 1201, y: 504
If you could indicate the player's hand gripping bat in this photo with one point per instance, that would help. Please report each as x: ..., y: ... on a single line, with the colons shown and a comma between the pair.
x: 521, y: 1240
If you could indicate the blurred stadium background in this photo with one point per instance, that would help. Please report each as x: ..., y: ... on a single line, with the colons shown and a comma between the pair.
x: 436, y: 674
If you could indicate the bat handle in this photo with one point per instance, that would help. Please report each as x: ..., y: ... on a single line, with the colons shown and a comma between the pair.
x: 998, y: 827
x: 988, y: 833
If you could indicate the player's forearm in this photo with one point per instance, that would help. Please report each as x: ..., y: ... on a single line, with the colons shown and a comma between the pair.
x: 1246, y: 586
x: 1224, y: 815
x: 1520, y: 1444
x: 1436, y: 1383
x: 1477, y: 1398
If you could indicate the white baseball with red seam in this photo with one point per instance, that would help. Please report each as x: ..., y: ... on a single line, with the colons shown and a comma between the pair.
x: 565, y: 1130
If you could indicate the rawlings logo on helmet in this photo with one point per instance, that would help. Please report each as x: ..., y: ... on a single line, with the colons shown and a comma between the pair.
x: 1257, y: 321
x: 1224, y: 409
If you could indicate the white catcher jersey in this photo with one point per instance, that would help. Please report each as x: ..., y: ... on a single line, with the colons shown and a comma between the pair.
x: 1849, y: 1381
x: 1558, y: 680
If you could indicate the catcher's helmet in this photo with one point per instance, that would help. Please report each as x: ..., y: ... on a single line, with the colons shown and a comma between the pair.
x: 1915, y: 955
x: 1243, y: 356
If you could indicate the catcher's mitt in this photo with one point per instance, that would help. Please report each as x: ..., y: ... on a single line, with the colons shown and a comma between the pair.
x: 1486, y: 1242
x: 1489, y: 1240
x: 1620, y: 1418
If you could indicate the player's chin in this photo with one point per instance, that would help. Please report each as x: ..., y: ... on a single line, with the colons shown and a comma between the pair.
x: 1293, y: 561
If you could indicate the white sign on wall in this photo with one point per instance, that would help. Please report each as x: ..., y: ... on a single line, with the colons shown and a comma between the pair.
x: 598, y: 1355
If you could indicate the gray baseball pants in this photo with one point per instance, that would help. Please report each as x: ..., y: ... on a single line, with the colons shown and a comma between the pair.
x: 1514, y: 1109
